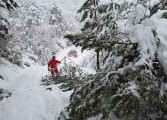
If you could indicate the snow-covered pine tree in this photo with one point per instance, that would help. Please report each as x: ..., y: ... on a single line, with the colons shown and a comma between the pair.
x: 55, y: 16
x: 87, y: 39
x: 4, y: 24
x: 129, y: 84
x: 100, y: 29
x: 161, y: 5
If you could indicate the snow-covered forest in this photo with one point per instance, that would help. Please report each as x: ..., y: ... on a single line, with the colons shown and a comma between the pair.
x: 113, y: 57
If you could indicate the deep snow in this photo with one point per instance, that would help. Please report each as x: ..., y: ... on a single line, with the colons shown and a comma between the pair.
x: 29, y: 100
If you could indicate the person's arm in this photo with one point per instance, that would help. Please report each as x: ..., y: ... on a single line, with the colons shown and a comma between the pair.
x: 58, y: 61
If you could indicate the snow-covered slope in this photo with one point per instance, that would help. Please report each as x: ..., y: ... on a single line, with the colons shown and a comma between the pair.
x: 29, y: 100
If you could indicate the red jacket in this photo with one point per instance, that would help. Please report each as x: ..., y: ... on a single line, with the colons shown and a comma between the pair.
x: 53, y: 62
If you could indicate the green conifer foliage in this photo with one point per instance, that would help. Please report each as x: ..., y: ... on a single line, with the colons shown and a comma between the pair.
x: 125, y: 86
x: 100, y: 29
x: 128, y: 90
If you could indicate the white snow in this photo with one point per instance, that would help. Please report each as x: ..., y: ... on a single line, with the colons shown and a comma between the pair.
x: 136, y: 16
x: 150, y: 34
x: 29, y: 100
x: 148, y: 44
x: 161, y: 28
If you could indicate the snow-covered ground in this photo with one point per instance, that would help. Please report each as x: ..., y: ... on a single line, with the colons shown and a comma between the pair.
x: 29, y: 100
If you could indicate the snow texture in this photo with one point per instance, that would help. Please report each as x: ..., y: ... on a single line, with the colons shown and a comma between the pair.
x: 30, y: 101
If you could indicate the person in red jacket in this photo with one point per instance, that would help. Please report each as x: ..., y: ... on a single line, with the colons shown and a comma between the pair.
x: 52, y: 66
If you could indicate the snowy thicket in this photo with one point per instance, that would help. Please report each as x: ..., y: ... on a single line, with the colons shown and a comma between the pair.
x: 36, y: 32
x: 5, y: 7
x: 130, y: 41
x: 132, y: 83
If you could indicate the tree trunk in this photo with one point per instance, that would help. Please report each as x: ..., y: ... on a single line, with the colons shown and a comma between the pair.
x: 97, y: 52
x: 98, y: 63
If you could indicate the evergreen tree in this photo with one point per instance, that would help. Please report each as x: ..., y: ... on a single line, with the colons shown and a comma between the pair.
x: 129, y: 84
x: 100, y: 28
x: 161, y: 5
x: 90, y: 17
x: 55, y: 16
x: 88, y: 38
x: 4, y: 24
x: 128, y: 90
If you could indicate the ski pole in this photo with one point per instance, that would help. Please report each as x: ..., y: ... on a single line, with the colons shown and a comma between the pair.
x: 62, y: 59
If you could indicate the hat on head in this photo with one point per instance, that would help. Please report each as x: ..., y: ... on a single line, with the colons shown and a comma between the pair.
x: 53, y: 57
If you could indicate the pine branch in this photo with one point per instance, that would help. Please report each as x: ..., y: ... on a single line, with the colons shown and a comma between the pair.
x: 1, y: 5
x: 127, y: 43
x: 117, y: 33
